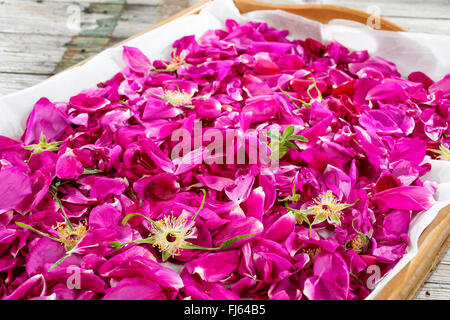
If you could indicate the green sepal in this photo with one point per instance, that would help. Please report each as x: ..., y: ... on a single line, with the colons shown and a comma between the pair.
x: 129, y: 216
x: 229, y: 242
x: 26, y: 226
x: 334, y: 219
x: 88, y: 171
x: 319, y: 218
x: 66, y: 218
x: 119, y: 245
x: 57, y: 263
x: 165, y: 255
x: 43, y: 145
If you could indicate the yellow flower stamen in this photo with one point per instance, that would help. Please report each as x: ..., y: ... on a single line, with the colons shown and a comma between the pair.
x: 311, y: 251
x: 177, y: 98
x: 358, y: 243
x: 170, y: 234
x: 70, y: 236
x: 327, y: 206
x: 177, y: 61
x: 444, y: 153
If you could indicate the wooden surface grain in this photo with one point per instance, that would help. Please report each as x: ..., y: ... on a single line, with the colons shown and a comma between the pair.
x: 39, y: 38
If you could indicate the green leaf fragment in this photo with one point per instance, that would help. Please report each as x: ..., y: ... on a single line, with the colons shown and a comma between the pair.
x: 298, y: 138
x: 288, y: 131
x: 88, y: 171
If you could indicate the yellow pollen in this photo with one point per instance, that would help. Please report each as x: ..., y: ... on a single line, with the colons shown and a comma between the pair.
x: 176, y: 62
x: 327, y: 205
x: 177, y: 98
x: 312, y: 252
x: 170, y: 234
x: 357, y: 243
x: 70, y: 237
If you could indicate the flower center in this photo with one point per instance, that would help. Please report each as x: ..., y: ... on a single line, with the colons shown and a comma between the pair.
x: 177, y: 98
x: 171, y: 238
x: 357, y: 243
x: 70, y: 237
x: 312, y: 252
x: 327, y: 205
x: 43, y: 145
x: 170, y: 234
x: 177, y: 61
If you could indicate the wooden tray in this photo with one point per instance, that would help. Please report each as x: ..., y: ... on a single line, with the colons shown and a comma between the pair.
x: 435, y: 239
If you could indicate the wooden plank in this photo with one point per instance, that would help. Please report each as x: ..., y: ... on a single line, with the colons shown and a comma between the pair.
x: 92, y: 41
x: 53, y: 18
x: 13, y: 82
x: 136, y: 18
x: 434, y: 291
x: 79, y: 49
x: 446, y: 258
x: 33, y: 54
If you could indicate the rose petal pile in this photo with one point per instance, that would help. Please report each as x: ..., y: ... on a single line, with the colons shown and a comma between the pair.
x: 339, y: 201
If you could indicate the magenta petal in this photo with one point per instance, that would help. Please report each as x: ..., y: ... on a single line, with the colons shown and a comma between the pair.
x: 209, y: 108
x: 43, y: 255
x: 389, y: 254
x: 239, y: 227
x: 281, y: 229
x: 69, y: 167
x: 389, y: 91
x: 135, y: 59
x: 406, y: 198
x: 397, y: 222
x: 15, y: 186
x: 241, y: 188
x: 379, y: 121
x: 255, y: 203
x: 100, y: 186
x: 135, y: 289
x: 21, y: 291
x: 442, y: 86
x: 160, y: 187
x: 45, y: 119
x: 331, y: 279
x: 215, y: 266
x: 87, y: 103
x: 214, y: 182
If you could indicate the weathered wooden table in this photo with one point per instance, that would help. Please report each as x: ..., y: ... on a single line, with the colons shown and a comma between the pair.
x: 39, y: 38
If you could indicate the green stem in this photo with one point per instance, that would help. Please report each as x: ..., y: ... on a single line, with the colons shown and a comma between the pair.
x: 68, y: 224
x: 201, y: 205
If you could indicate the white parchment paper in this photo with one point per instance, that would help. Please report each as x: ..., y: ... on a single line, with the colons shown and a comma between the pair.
x: 410, y: 51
